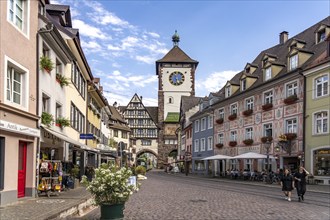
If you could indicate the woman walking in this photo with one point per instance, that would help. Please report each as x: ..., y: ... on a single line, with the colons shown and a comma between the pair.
x: 287, y: 184
x: 300, y: 182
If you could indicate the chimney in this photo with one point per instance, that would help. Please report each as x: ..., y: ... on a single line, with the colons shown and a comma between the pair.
x: 284, y: 35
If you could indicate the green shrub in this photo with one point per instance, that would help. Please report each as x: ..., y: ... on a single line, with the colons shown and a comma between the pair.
x: 140, y: 170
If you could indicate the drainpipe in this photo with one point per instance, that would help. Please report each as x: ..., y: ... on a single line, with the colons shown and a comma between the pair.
x: 38, y: 113
x: 302, y: 160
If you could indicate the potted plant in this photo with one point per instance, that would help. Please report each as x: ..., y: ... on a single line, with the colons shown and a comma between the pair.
x: 291, y: 99
x: 110, y: 189
x: 62, y: 122
x: 265, y: 138
x: 219, y: 145
x: 291, y: 136
x: 248, y: 141
x: 248, y: 112
x: 232, y: 143
x: 62, y: 80
x: 232, y: 116
x: 267, y: 106
x: 219, y: 120
x: 46, y: 118
x: 46, y: 64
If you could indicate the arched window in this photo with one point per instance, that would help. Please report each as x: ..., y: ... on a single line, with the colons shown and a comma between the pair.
x: 170, y: 100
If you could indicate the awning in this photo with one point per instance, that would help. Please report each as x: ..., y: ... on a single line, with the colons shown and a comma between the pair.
x: 69, y: 140
x: 252, y: 155
x: 218, y: 157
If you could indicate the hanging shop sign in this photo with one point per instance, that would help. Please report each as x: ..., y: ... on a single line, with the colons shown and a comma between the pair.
x: 13, y: 127
x: 86, y: 136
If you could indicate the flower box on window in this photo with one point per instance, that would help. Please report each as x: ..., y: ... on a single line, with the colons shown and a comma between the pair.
x: 232, y: 143
x: 219, y: 120
x: 265, y: 138
x: 46, y: 64
x: 248, y: 141
x: 46, y: 118
x: 62, y: 122
x: 232, y: 116
x: 267, y: 106
x: 290, y: 136
x: 219, y: 145
x: 248, y: 112
x: 291, y: 99
x: 62, y: 80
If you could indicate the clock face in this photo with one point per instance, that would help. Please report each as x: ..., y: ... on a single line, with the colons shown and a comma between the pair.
x: 176, y: 78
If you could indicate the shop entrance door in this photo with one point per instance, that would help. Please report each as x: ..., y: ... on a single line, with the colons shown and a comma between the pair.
x: 21, y: 169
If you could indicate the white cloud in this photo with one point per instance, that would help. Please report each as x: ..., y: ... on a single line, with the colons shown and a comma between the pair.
x: 88, y: 30
x: 116, y: 73
x: 111, y: 47
x: 149, y: 101
x: 146, y: 59
x: 215, y: 81
x: 129, y: 42
x: 91, y: 45
x: 153, y: 34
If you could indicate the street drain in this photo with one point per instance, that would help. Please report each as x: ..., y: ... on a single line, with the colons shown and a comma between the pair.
x: 198, y: 200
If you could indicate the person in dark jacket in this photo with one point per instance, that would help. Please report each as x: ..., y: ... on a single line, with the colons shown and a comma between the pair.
x: 300, y: 182
x: 287, y: 184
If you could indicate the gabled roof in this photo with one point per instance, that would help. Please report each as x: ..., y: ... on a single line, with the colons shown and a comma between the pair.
x: 176, y: 55
x: 188, y: 102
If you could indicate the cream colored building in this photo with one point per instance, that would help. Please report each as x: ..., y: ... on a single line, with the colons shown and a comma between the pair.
x: 19, y: 131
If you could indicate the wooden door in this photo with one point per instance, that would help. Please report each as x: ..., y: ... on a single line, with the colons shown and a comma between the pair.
x: 21, y: 169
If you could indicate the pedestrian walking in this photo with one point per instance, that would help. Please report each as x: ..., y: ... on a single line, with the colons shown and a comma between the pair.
x: 287, y: 184
x: 300, y: 182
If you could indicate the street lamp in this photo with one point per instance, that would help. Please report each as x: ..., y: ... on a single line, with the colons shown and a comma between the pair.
x: 267, y: 145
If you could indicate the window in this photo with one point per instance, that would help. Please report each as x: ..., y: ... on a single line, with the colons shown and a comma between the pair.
x: 170, y: 100
x: 58, y: 67
x: 221, y: 113
x: 210, y: 143
x: 78, y: 80
x: 233, y: 163
x: 321, y: 36
x: 115, y: 133
x: 202, y: 144
x: 249, y: 133
x: 321, y: 85
x: 248, y: 164
x: 146, y: 142
x: 233, y: 136
x: 321, y: 162
x: 291, y: 126
x: 294, y: 62
x: 58, y: 111
x: 77, y: 119
x: 243, y: 84
x: 220, y: 138
x: 196, y: 145
x: 41, y: 8
x: 291, y: 89
x: 268, y: 130
x: 268, y: 97
x: 196, y: 126
x: 268, y: 73
x: 210, y: 122
x: 321, y: 122
x: 45, y: 50
x: 249, y: 103
x: 45, y: 103
x: 18, y: 14
x: 228, y: 91
x: 14, y: 86
x: 203, y: 124
x: 233, y: 109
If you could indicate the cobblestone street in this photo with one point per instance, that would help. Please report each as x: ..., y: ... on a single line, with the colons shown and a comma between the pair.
x: 168, y: 196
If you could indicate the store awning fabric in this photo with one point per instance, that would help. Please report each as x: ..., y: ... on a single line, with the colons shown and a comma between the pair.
x: 69, y: 140
x: 251, y: 155
x: 218, y: 157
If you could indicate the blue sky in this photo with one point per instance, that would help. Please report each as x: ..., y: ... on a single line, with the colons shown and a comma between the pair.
x: 123, y: 39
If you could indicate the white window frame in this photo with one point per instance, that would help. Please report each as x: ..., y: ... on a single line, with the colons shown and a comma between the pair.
x: 324, y: 86
x: 248, y: 164
x: 220, y: 138
x: 324, y: 122
x: 268, y: 97
x: 233, y: 135
x: 291, y: 88
x: 210, y: 143
x: 25, y: 17
x: 228, y: 91
x: 268, y: 73
x: 233, y: 109
x: 267, y: 126
x: 45, y: 103
x: 249, y: 133
x: 203, y: 124
x: 196, y: 125
x: 243, y: 84
x: 292, y: 127
x: 222, y: 113
x: 196, y: 145
x: 24, y: 100
x: 249, y: 103
x: 202, y: 143
x: 293, y: 60
x: 210, y: 122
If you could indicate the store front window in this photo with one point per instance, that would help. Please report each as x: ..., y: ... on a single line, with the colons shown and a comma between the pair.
x: 199, y: 165
x: 321, y: 164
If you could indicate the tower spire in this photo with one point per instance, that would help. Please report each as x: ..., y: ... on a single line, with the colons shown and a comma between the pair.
x: 175, y: 38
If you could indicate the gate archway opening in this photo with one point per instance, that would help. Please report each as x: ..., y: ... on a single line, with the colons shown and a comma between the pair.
x: 147, y: 158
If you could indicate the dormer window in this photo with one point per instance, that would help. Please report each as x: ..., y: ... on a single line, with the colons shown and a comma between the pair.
x: 247, y: 70
x: 321, y: 36
x: 293, y: 46
x: 294, y: 62
x: 243, y: 84
x: 265, y: 61
x: 268, y: 73
x: 228, y: 93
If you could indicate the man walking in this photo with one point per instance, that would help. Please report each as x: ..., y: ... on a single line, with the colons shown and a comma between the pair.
x: 300, y: 182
